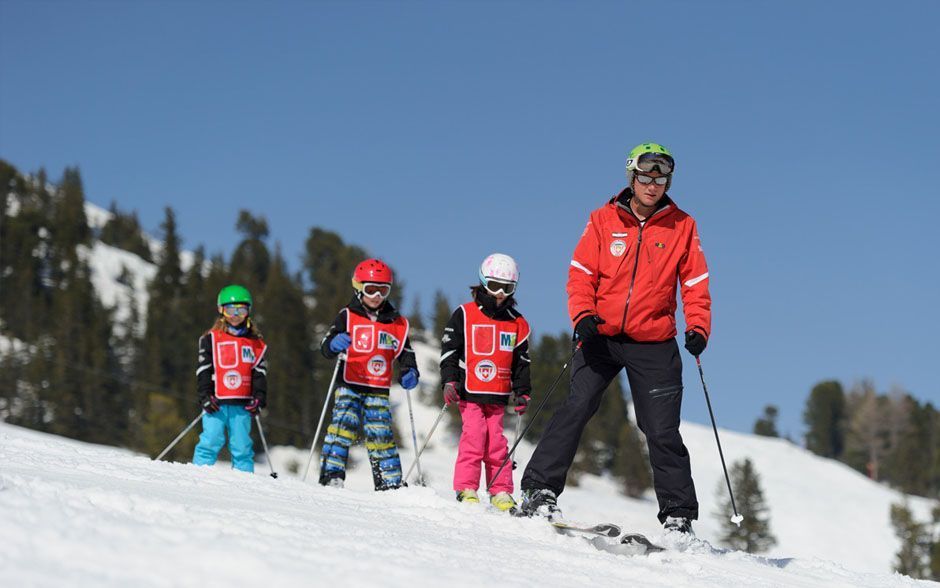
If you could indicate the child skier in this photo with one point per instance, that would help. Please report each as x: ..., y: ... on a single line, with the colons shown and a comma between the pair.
x: 372, y: 334
x: 231, y: 380
x: 484, y: 362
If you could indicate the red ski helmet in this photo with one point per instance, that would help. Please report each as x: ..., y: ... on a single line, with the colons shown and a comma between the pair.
x: 371, y: 270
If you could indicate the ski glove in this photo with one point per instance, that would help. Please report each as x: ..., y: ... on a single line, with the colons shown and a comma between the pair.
x: 409, y: 379
x: 211, y: 404
x: 451, y: 396
x: 586, y: 329
x: 254, y: 406
x: 695, y: 342
x: 522, y: 404
x: 340, y: 343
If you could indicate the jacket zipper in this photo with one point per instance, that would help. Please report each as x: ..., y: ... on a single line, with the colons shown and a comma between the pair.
x: 636, y: 264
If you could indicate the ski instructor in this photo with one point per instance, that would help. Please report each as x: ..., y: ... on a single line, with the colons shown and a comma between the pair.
x: 622, y: 303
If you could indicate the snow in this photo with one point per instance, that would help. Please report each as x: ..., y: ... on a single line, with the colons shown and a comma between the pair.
x: 101, y: 516
x: 87, y: 515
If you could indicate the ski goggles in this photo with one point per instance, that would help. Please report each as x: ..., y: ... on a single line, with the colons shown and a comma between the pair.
x: 373, y: 289
x: 644, y: 179
x: 233, y: 310
x: 655, y: 161
x: 494, y: 287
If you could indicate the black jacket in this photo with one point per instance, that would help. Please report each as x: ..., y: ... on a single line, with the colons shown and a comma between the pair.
x: 205, y: 376
x: 453, y: 357
x: 386, y: 314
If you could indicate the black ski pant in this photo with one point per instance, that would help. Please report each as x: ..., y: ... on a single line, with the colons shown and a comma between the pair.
x: 654, y: 371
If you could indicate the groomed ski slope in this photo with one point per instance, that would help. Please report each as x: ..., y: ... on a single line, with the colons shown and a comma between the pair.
x: 76, y: 514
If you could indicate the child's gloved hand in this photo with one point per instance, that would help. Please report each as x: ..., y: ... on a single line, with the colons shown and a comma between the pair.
x: 522, y: 404
x: 409, y: 379
x: 340, y: 343
x: 254, y: 406
x: 451, y: 395
x: 211, y: 404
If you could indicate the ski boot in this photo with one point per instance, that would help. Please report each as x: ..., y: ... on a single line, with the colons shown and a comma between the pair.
x: 469, y: 496
x: 503, y: 501
x: 541, y: 502
x: 679, y: 525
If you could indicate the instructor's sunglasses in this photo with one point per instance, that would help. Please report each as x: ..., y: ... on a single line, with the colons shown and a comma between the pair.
x: 644, y: 179
x: 494, y: 287
x: 372, y: 290
x: 233, y: 310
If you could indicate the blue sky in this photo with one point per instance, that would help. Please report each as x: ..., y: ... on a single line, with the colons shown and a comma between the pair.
x: 435, y: 133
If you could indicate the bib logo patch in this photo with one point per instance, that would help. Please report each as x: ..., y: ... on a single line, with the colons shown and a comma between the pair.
x: 362, y: 340
x: 377, y: 365
x: 232, y: 380
x: 618, y: 247
x: 485, y: 370
x: 387, y: 341
x: 248, y: 354
x: 507, y: 341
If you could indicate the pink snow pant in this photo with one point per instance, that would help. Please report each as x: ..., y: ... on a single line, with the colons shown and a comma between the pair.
x: 482, y: 441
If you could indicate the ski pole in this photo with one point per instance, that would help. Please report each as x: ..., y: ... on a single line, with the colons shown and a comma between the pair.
x: 538, y: 409
x: 736, y: 519
x: 264, y: 444
x: 326, y: 403
x: 414, y: 438
x: 431, y: 432
x: 178, y: 437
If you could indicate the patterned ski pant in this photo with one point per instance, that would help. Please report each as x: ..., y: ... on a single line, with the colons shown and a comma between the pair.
x: 372, y: 412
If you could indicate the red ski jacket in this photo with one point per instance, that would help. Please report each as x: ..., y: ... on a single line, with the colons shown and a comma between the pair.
x: 626, y: 272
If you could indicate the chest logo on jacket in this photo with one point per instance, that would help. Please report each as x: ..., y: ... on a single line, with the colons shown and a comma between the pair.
x: 387, y: 341
x: 377, y: 365
x: 363, y: 338
x: 507, y: 341
x: 232, y: 380
x: 618, y: 247
x: 485, y: 370
x: 248, y: 354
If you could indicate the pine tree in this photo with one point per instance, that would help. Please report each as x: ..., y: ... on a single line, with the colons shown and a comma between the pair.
x: 825, y: 419
x: 754, y: 535
x: 169, y: 354
x: 251, y: 260
x: 416, y: 320
x: 442, y: 313
x: 767, y: 425
x: 293, y: 401
x: 913, y: 559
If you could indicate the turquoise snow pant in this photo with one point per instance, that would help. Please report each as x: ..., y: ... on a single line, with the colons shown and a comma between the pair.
x: 237, y: 420
x: 373, y: 412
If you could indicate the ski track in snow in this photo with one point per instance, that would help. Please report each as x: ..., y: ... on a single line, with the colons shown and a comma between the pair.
x: 85, y: 515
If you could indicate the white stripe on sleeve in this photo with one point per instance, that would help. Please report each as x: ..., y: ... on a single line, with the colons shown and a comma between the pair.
x: 580, y: 267
x: 694, y: 281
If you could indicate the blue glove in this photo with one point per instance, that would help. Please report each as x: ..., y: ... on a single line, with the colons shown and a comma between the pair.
x: 409, y: 379
x: 340, y: 343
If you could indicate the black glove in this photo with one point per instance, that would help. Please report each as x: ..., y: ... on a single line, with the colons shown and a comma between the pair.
x: 586, y: 329
x: 695, y: 342
x: 254, y: 406
x: 211, y: 404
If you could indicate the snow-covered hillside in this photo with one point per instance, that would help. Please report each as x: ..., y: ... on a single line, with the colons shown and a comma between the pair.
x: 89, y: 515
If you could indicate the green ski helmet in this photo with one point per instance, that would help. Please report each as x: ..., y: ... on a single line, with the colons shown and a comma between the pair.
x: 647, y: 157
x: 234, y: 294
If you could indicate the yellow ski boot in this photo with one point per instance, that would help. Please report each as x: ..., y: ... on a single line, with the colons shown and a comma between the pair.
x: 503, y: 501
x: 469, y: 496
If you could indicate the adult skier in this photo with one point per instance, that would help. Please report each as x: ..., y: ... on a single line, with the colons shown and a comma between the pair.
x: 372, y: 334
x: 231, y: 379
x: 622, y: 304
x: 484, y: 366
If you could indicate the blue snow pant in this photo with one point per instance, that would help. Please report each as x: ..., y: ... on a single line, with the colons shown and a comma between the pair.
x: 237, y: 420
x: 373, y: 412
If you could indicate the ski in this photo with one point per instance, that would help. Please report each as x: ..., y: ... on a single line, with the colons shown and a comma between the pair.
x: 601, y: 529
x: 640, y: 542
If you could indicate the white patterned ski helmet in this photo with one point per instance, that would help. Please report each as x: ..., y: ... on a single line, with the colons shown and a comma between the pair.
x: 499, y: 266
